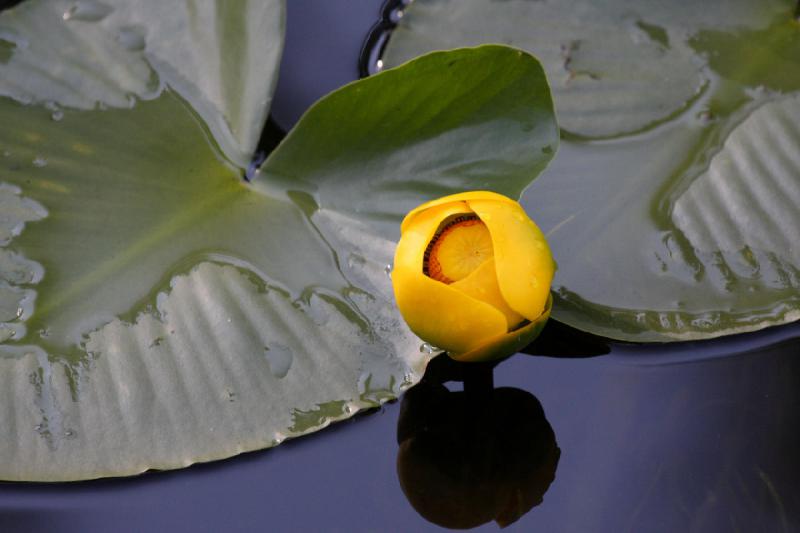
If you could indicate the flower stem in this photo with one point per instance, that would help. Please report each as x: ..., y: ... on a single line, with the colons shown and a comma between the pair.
x: 478, y: 379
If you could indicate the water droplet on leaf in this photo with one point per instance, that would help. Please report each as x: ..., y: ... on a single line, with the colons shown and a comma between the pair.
x: 280, y: 359
x: 132, y: 38
x: 87, y: 11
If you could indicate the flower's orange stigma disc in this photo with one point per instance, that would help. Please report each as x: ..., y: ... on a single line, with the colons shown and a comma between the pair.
x: 457, y: 249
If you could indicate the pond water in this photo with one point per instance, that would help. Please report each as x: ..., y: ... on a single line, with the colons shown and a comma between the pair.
x: 688, y: 437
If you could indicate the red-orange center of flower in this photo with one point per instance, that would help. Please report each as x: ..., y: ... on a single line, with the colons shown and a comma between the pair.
x: 460, y: 246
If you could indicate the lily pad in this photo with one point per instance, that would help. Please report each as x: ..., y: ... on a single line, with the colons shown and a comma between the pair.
x: 83, y: 54
x: 676, y: 122
x: 170, y: 312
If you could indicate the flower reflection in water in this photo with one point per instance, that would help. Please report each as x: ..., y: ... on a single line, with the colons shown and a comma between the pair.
x: 472, y: 456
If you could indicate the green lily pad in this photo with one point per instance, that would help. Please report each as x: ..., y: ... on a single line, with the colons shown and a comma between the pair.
x: 167, y: 312
x: 676, y: 124
x: 83, y: 54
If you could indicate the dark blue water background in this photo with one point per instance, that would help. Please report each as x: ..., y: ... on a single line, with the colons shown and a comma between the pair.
x: 700, y: 437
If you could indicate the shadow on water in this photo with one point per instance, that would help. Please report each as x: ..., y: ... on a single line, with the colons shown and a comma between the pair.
x: 560, y: 340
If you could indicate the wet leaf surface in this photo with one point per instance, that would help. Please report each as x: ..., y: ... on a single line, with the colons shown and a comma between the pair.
x: 178, y: 313
x: 668, y: 207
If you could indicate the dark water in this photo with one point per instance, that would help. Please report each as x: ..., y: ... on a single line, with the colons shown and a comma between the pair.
x: 645, y: 445
x: 698, y: 437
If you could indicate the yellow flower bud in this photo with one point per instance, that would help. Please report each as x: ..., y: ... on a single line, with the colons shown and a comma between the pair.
x: 472, y: 275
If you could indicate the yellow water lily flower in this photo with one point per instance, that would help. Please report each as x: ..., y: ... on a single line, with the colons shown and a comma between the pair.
x: 472, y: 275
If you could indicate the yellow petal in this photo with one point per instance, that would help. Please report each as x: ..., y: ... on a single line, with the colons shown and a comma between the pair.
x: 482, y: 285
x: 437, y: 313
x: 460, y: 197
x: 522, y: 258
x: 507, y: 344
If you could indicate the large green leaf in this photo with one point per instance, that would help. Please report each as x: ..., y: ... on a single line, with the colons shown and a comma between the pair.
x: 670, y: 207
x: 170, y: 312
x: 466, y: 107
x: 81, y: 54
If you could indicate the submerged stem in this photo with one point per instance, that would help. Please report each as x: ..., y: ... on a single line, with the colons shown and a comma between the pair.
x: 478, y: 379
